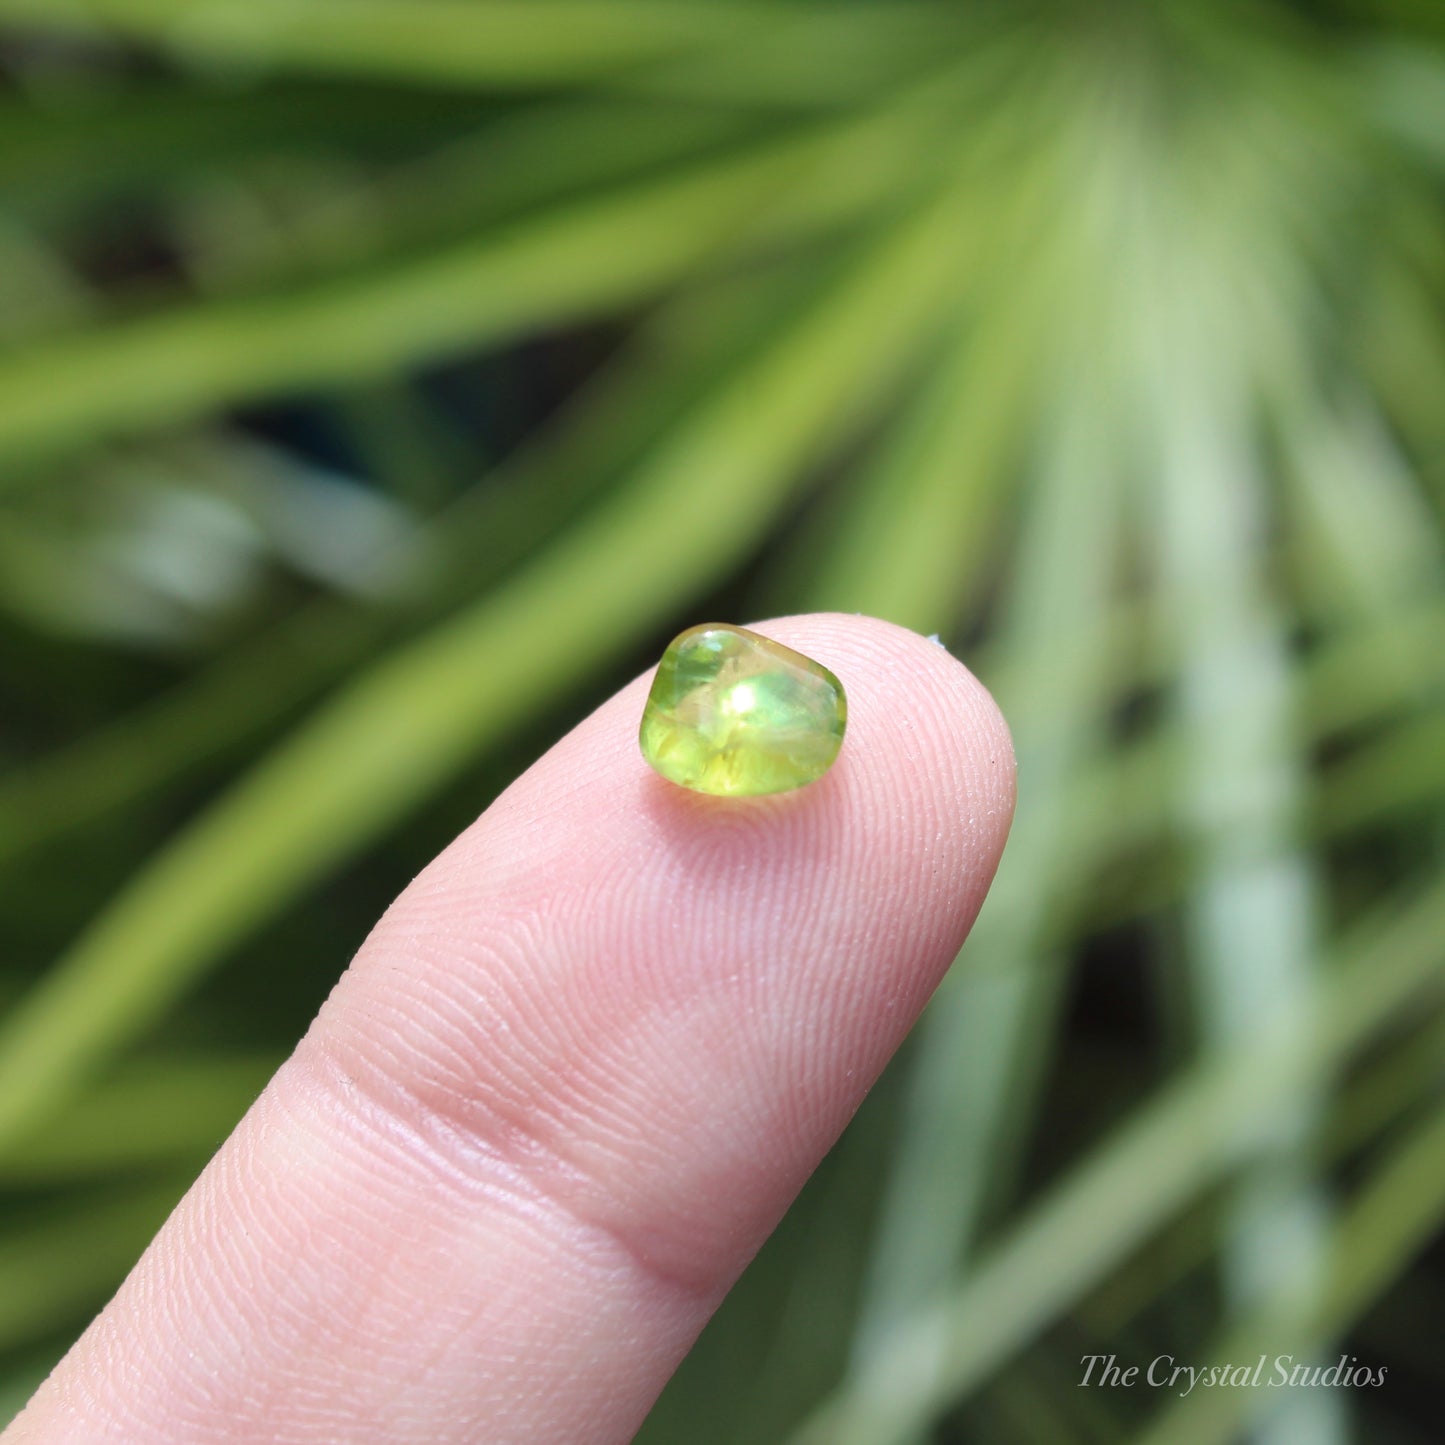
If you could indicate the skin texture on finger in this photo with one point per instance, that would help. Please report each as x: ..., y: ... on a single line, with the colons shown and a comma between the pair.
x: 565, y: 1090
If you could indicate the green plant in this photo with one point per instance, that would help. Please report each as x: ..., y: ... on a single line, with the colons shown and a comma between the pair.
x: 1102, y: 340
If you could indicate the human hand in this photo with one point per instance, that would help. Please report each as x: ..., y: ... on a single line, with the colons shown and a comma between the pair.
x: 565, y: 1090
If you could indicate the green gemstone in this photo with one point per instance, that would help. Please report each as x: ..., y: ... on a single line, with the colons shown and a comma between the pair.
x: 735, y: 714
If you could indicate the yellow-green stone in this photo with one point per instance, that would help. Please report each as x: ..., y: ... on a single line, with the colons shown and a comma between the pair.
x: 737, y: 714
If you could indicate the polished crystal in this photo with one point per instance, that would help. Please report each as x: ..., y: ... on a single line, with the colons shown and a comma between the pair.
x: 734, y: 713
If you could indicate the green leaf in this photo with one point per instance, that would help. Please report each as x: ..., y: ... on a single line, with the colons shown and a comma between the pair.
x: 673, y: 360
x: 156, y: 1112
x: 987, y: 1033
x: 578, y: 261
x: 1188, y: 1136
x: 496, y: 43
x: 56, y: 1269
x: 1251, y: 915
x: 394, y: 735
x: 1393, y: 1216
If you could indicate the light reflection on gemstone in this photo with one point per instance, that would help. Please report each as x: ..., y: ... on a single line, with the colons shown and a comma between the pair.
x: 734, y: 713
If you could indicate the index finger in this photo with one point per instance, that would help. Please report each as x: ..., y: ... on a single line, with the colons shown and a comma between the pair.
x: 565, y: 1090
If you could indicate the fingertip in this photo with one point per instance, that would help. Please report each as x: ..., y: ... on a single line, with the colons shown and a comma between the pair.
x: 570, y: 1083
x: 928, y: 753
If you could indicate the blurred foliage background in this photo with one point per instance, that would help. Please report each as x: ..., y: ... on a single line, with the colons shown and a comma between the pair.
x: 384, y: 381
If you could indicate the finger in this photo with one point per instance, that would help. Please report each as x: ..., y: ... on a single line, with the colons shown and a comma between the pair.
x: 565, y: 1090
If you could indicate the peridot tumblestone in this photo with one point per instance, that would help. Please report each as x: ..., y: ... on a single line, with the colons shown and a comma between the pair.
x: 734, y: 713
